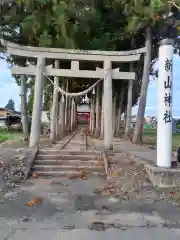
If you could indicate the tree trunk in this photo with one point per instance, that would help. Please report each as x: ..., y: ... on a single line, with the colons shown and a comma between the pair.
x: 54, y: 111
x: 24, y: 107
x: 137, y: 138
x: 98, y: 113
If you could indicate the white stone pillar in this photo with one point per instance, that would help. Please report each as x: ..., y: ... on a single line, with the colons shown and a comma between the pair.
x: 90, y: 127
x: 37, y: 105
x: 129, y: 105
x: 66, y: 107
x: 108, y: 131
x: 164, y: 126
x: 24, y: 107
x: 93, y: 115
x: 62, y: 116
x: 72, y: 115
x: 54, y: 111
x: 98, y: 124
x: 102, y: 117
x: 114, y: 115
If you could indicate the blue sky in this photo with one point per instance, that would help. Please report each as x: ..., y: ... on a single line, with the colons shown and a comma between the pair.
x: 151, y: 105
x: 9, y: 89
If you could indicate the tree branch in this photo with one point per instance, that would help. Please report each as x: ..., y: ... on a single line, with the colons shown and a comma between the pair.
x: 172, y: 2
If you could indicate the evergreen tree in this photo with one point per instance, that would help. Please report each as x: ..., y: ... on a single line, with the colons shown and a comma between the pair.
x: 10, y: 105
x: 102, y: 25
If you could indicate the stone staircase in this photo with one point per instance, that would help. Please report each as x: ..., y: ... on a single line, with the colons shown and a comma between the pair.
x: 60, y: 163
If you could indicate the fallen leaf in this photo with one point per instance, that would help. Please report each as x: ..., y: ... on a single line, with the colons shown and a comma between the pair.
x: 114, y: 174
x: 84, y: 175
x: 171, y: 193
x: 72, y: 177
x: 53, y: 182
x: 84, y: 172
x: 35, y: 175
x: 106, y: 192
x: 34, y: 202
x: 84, y: 178
x: 105, y: 208
x: 25, y: 219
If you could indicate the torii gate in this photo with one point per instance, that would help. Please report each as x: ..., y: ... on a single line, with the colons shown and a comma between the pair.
x: 107, y: 57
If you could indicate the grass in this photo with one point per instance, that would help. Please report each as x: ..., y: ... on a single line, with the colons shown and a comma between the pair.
x: 150, y: 136
x: 9, y: 135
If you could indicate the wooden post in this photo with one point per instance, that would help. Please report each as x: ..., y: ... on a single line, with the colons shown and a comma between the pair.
x: 54, y: 113
x: 37, y: 105
x: 108, y: 131
x: 24, y: 107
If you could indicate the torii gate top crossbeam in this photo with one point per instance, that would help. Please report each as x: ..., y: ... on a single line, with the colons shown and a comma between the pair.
x: 58, y: 53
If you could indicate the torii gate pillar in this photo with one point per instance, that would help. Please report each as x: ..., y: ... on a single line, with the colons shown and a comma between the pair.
x: 37, y: 104
x: 108, y: 130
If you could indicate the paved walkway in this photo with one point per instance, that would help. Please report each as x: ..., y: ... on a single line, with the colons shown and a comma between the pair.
x: 74, y: 209
x: 148, y: 154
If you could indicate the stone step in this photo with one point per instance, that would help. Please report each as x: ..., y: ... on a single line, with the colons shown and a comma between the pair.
x: 67, y: 157
x: 64, y: 173
x: 69, y: 162
x: 66, y: 152
x: 47, y: 168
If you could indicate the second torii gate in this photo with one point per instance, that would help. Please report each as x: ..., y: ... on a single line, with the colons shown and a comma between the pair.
x: 107, y: 57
